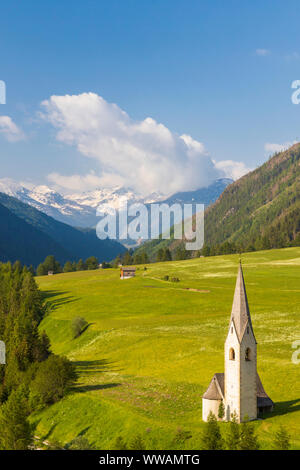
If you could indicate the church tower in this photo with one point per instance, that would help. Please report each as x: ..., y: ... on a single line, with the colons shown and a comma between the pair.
x: 240, y: 385
x: 239, y: 388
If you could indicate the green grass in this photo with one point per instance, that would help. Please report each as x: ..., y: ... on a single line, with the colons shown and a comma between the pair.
x: 152, y: 346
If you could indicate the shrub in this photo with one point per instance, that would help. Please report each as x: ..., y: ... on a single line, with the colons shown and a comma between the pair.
x: 52, y: 379
x: 80, y: 443
x: 78, y: 326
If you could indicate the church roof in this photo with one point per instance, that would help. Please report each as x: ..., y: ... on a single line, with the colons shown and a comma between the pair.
x: 262, y: 398
x: 215, y: 389
x: 240, y: 314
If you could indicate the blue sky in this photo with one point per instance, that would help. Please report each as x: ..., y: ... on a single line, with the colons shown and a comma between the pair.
x: 218, y: 71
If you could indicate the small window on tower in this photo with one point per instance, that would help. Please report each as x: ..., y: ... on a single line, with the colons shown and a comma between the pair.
x: 248, y: 330
x: 248, y: 354
x: 232, y: 329
x: 231, y: 354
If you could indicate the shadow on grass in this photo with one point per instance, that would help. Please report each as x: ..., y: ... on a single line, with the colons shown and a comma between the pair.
x: 92, y: 367
x: 56, y: 303
x: 86, y: 368
x: 92, y: 388
x: 283, y: 408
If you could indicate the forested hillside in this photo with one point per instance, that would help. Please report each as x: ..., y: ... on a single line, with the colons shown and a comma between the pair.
x: 259, y: 211
x: 29, y: 235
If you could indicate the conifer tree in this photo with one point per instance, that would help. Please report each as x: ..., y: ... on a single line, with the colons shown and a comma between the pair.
x: 211, y: 436
x: 221, y: 410
x: 68, y: 267
x: 281, y: 439
x: 233, y: 436
x: 15, y: 430
x: 248, y: 438
x: 81, y: 265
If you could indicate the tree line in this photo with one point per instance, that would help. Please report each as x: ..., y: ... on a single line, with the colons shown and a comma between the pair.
x: 52, y: 265
x: 33, y: 377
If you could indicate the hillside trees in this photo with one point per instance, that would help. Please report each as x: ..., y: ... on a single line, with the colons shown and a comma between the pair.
x: 15, y: 430
x: 29, y: 362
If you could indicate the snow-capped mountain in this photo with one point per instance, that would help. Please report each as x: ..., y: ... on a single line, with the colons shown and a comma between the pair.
x: 79, y: 210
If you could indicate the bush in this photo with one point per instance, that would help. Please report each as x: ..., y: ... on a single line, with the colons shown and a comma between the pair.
x: 166, y: 278
x: 78, y: 326
x: 80, y: 443
x: 52, y: 379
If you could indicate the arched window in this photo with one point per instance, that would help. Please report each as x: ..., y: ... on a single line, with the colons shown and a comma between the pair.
x: 231, y: 354
x: 248, y: 354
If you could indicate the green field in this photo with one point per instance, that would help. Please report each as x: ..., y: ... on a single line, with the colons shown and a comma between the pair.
x: 152, y: 346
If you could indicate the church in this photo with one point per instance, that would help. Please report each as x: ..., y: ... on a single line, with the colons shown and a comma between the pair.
x: 239, y: 388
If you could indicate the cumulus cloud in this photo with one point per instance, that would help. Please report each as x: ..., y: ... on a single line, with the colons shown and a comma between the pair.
x: 144, y: 155
x: 10, y: 130
x: 271, y: 148
x: 262, y: 52
x: 232, y: 169
x: 86, y: 182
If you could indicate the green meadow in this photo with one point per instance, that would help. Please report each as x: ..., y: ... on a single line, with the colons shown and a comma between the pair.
x: 152, y: 347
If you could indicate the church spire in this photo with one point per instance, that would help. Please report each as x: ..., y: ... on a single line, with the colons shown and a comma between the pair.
x: 240, y: 314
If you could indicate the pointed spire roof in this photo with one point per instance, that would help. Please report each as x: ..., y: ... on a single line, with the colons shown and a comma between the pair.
x: 240, y: 314
x: 215, y: 390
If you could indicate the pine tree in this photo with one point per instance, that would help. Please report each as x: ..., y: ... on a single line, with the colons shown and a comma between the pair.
x: 281, y: 439
x: 80, y: 265
x: 167, y: 255
x: 15, y: 430
x: 92, y: 263
x: 248, y: 438
x: 127, y: 259
x: 233, y: 436
x: 160, y: 255
x: 68, y: 267
x: 211, y: 436
x: 221, y: 411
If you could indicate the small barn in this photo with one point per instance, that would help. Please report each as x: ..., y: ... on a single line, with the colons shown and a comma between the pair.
x: 126, y: 273
x: 50, y: 273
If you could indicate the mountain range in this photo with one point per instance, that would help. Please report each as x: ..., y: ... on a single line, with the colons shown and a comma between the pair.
x: 79, y: 209
x: 30, y: 235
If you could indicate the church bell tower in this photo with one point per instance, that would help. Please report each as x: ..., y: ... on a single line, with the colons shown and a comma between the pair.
x: 240, y: 358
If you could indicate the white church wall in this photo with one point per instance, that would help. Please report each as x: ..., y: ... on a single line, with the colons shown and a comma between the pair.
x: 210, y: 405
x: 248, y: 377
x: 232, y: 374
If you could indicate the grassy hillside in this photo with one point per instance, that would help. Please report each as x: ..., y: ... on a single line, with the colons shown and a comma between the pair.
x: 152, y: 346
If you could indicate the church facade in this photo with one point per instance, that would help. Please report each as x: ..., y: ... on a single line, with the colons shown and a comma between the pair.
x: 239, y: 388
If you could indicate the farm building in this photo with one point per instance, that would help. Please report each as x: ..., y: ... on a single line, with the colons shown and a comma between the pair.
x: 126, y: 273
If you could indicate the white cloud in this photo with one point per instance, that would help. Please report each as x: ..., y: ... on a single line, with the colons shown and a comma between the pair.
x: 262, y: 52
x: 86, y: 182
x: 273, y: 148
x: 232, y: 169
x: 10, y: 130
x: 144, y: 155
